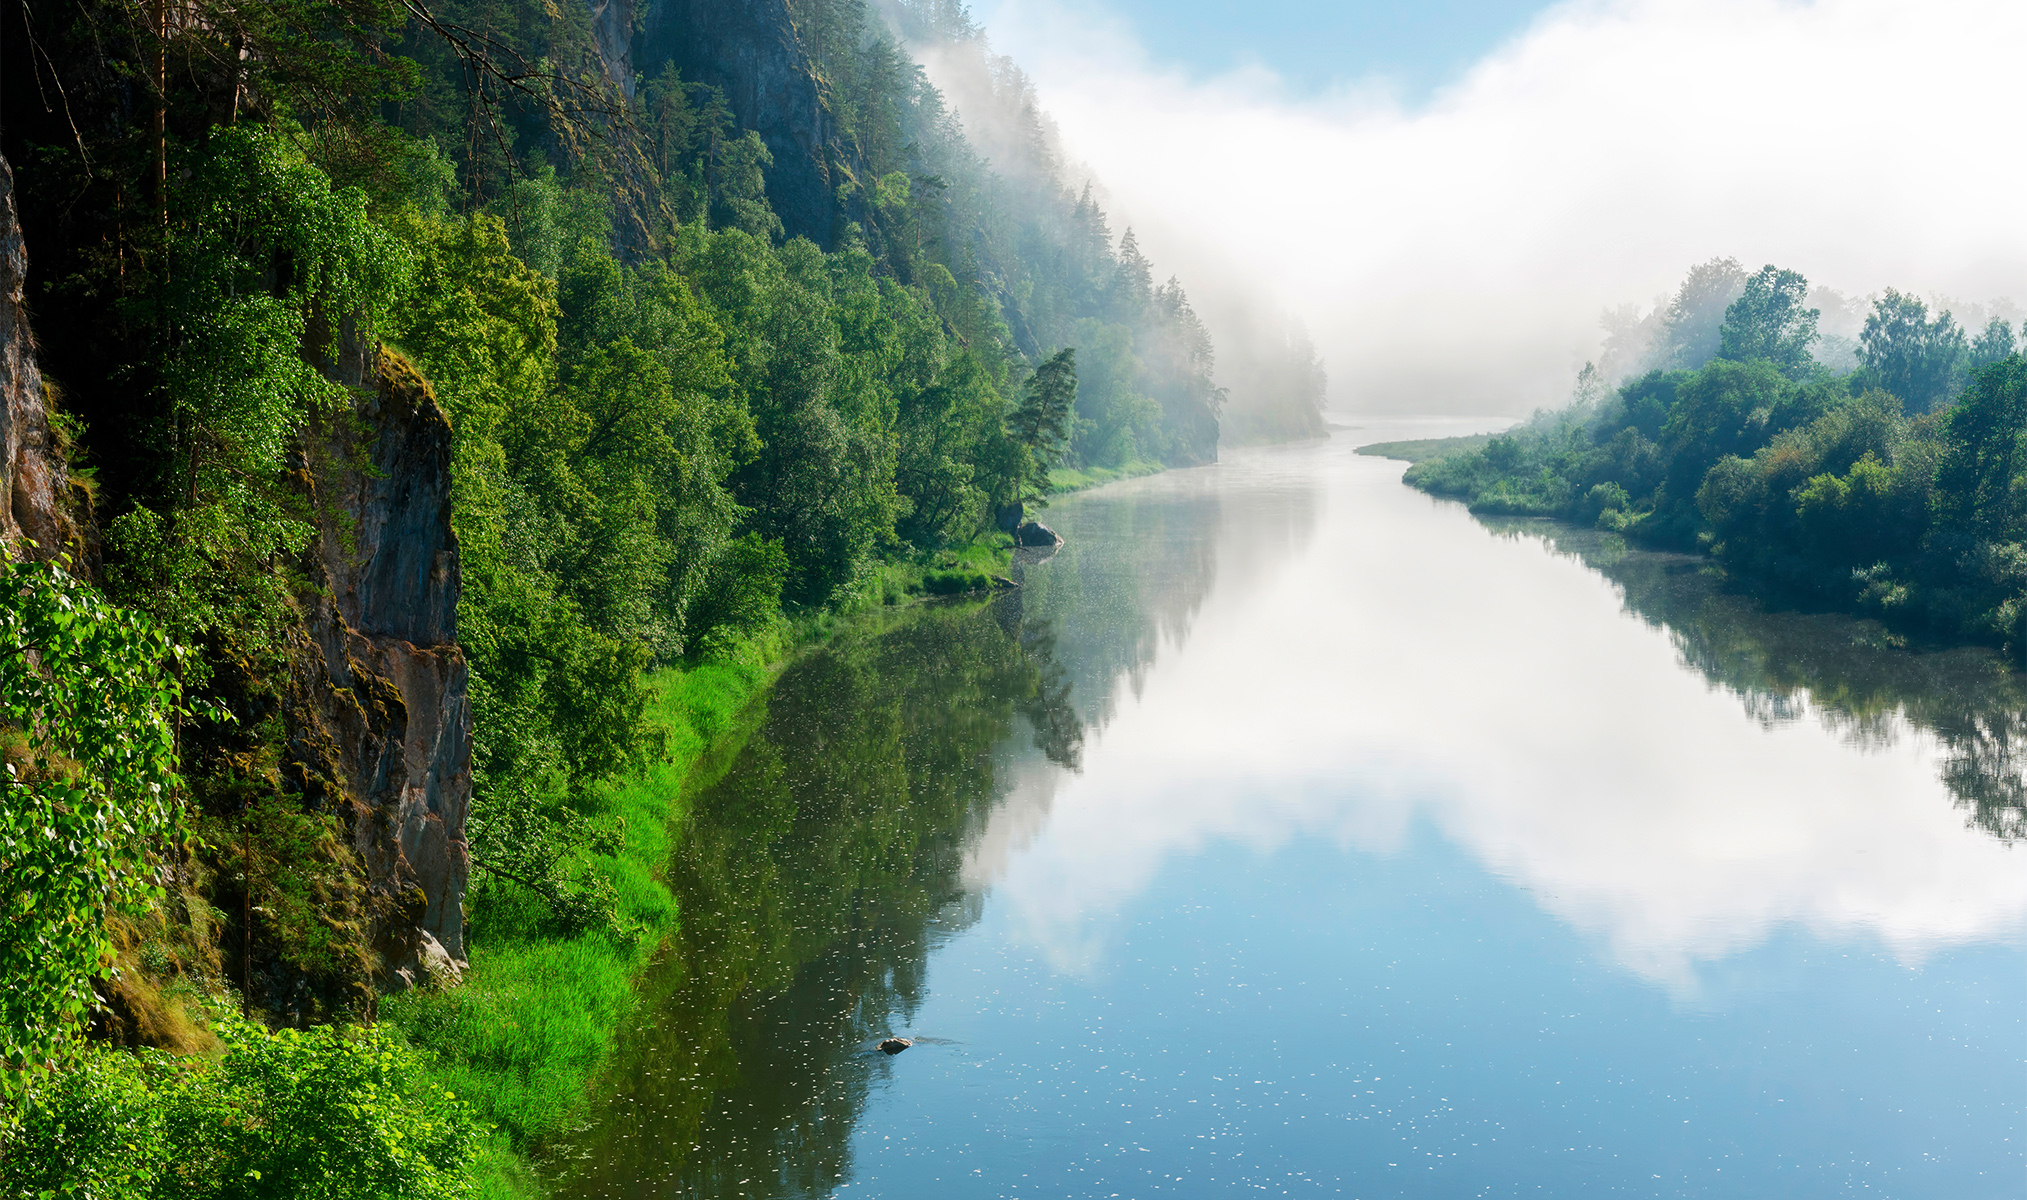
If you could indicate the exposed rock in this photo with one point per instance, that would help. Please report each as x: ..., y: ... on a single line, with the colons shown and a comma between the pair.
x: 1034, y: 533
x: 612, y: 29
x: 894, y: 1045
x: 380, y: 724
x: 34, y: 481
x: 750, y: 49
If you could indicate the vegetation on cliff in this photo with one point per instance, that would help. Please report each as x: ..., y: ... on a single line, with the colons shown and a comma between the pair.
x: 1891, y: 487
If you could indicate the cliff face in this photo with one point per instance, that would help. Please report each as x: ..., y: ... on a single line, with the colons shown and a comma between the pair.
x: 34, y: 482
x: 750, y: 50
x: 380, y: 722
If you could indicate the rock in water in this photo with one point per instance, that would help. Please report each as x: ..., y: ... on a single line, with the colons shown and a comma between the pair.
x: 896, y: 1045
x: 1034, y: 533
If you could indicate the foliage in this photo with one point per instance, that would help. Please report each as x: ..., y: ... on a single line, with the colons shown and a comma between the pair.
x: 87, y: 688
x: 260, y: 248
x: 1041, y: 425
x: 537, y: 1014
x: 1834, y: 487
x: 319, y: 1114
x: 1918, y: 359
x: 1768, y: 322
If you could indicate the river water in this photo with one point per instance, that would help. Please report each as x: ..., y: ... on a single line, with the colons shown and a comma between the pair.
x: 1290, y: 831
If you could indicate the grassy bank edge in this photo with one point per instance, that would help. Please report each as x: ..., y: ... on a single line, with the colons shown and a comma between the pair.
x: 1420, y: 450
x: 537, y: 1014
x: 1064, y: 480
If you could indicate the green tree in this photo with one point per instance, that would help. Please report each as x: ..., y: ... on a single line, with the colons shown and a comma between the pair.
x: 1695, y: 319
x: 1041, y: 425
x: 1768, y: 321
x: 1993, y: 343
x: 1976, y: 483
x: 1917, y: 359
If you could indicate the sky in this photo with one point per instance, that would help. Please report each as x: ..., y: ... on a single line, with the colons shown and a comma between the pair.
x: 1312, y: 44
x: 1451, y: 212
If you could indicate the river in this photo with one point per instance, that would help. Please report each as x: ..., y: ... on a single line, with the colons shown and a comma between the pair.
x: 1291, y: 831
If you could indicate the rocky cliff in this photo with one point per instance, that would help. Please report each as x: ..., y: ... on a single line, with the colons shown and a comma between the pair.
x: 750, y: 50
x: 379, y: 719
x: 36, y: 497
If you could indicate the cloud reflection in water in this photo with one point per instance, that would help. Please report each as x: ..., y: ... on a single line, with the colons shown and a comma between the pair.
x: 1407, y: 664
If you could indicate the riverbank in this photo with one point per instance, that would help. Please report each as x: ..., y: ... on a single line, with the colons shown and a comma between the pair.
x: 1912, y: 591
x: 536, y: 1015
x: 534, y: 1018
x: 1065, y: 480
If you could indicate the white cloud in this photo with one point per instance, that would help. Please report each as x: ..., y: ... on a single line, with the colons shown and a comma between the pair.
x: 1455, y: 256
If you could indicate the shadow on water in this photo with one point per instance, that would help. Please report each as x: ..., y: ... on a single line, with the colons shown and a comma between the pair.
x: 816, y: 875
x: 1850, y: 674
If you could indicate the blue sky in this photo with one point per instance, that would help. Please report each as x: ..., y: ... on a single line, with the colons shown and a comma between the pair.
x: 1313, y: 43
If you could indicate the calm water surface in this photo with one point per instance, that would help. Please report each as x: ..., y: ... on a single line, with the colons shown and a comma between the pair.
x: 1290, y: 831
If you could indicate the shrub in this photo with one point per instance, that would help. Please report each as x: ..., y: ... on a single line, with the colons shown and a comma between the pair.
x: 323, y: 1114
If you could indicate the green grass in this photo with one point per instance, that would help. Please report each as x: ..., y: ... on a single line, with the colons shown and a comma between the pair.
x: 1427, y: 448
x: 1078, y: 479
x: 536, y: 1016
x: 979, y: 566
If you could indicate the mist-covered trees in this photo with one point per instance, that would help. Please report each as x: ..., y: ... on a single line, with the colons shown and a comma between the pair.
x: 1919, y: 359
x: 1769, y: 323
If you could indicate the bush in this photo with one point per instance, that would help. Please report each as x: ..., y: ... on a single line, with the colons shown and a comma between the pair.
x: 326, y: 1114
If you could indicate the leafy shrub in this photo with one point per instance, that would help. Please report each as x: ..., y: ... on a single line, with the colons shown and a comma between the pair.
x: 326, y: 1114
x: 84, y: 683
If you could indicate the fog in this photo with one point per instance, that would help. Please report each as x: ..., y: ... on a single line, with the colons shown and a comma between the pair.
x: 1455, y: 255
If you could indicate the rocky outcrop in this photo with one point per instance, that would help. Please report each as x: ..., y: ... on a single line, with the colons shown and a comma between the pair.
x: 380, y: 724
x: 750, y: 50
x: 1034, y: 534
x: 612, y: 30
x: 35, y: 492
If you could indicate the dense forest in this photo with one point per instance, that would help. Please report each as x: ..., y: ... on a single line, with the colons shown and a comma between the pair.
x: 433, y: 416
x: 1890, y: 486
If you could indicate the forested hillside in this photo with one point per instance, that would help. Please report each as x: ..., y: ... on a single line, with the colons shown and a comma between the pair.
x: 1892, y: 486
x: 392, y: 392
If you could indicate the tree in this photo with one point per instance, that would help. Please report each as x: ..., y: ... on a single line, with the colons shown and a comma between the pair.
x: 1041, y: 425
x: 1696, y: 314
x: 1994, y: 343
x: 1768, y: 322
x: 1917, y: 359
x: 1975, y: 486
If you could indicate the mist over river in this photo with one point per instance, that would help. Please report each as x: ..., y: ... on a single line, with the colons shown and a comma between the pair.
x: 1291, y: 831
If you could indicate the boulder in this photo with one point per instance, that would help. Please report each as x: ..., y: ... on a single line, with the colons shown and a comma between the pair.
x: 1034, y: 533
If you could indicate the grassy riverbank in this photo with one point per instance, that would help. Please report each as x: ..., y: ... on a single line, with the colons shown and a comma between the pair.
x: 536, y: 1016
x: 1083, y: 479
x: 537, y: 1012
x: 1425, y: 449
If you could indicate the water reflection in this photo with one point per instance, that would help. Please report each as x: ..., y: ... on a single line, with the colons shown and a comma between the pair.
x: 814, y: 878
x: 1853, y: 676
x: 846, y: 837
x: 1483, y: 871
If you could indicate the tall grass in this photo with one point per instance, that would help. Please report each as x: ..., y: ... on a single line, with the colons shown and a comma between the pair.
x: 537, y: 1013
